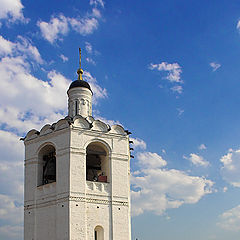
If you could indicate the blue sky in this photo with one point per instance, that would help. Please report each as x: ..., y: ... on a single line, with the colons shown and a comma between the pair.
x: 166, y: 70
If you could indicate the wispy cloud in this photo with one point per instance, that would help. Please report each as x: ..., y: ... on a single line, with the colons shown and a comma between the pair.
x: 99, y: 92
x: 180, y: 111
x: 64, y: 58
x: 139, y: 143
x: 84, y: 26
x: 197, y: 160
x: 56, y: 28
x: 90, y: 60
x: 22, y: 47
x: 88, y: 47
x: 177, y: 89
x: 48, y: 95
x: 230, y: 219
x: 215, y: 66
x: 96, y: 3
x: 59, y: 26
x: 174, y: 71
x: 202, y: 147
x: 238, y: 25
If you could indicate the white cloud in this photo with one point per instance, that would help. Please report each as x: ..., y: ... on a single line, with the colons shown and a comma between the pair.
x: 215, y: 66
x: 64, y: 58
x: 231, y: 167
x: 178, y: 89
x: 230, y: 219
x: 138, y: 143
x: 11, y: 10
x: 107, y: 121
x: 99, y: 92
x: 152, y: 160
x: 30, y: 102
x: 57, y: 27
x: 11, y: 185
x: 84, y: 26
x: 6, y: 46
x: 174, y: 70
x: 60, y: 25
x: 202, y: 147
x: 157, y: 189
x: 238, y: 25
x: 180, y: 111
x: 88, y: 47
x: 97, y: 2
x: 197, y: 160
x: 96, y: 13
x: 21, y: 47
x: 90, y: 60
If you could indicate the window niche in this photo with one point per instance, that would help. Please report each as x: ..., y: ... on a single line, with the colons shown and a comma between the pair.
x: 98, y: 233
x: 47, y: 165
x: 97, y: 163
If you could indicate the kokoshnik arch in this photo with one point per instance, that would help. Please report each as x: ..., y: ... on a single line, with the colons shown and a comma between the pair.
x: 77, y: 176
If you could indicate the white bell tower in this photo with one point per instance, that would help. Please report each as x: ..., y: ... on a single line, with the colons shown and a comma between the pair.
x: 77, y: 176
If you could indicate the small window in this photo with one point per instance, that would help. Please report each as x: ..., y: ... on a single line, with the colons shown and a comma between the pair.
x: 98, y: 233
x: 76, y: 108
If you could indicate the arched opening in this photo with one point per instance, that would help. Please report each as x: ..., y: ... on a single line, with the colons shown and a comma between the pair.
x: 97, y: 163
x: 98, y: 233
x: 46, y: 165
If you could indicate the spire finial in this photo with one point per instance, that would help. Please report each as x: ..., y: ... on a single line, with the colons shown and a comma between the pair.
x: 80, y: 71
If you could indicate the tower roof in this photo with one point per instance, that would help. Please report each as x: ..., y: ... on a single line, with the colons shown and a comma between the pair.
x: 80, y: 83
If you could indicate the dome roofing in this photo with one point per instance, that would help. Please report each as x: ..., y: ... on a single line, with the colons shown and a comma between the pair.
x: 79, y: 83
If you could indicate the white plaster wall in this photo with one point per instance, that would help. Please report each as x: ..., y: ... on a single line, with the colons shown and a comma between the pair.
x: 48, y: 220
x: 71, y: 208
x: 78, y: 220
x: 120, y: 223
x: 99, y: 215
x: 83, y: 96
x: 101, y: 206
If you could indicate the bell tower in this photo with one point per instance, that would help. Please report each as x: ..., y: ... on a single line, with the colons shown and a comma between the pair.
x: 77, y: 175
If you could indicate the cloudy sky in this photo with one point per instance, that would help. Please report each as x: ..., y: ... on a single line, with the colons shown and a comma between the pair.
x: 166, y: 70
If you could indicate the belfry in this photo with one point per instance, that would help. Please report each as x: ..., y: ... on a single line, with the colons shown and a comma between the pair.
x: 77, y: 175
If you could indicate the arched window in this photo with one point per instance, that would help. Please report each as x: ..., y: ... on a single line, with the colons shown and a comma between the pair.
x: 46, y: 165
x: 97, y: 163
x: 98, y: 233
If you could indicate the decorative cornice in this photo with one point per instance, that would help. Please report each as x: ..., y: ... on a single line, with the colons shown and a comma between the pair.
x: 75, y: 199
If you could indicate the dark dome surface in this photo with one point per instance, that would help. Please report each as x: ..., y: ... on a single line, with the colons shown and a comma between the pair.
x: 80, y: 83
